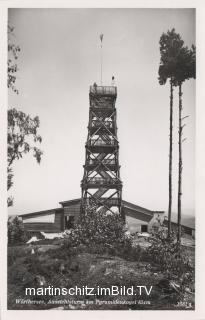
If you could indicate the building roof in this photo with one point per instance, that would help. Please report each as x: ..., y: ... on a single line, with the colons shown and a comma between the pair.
x: 40, y: 212
x: 128, y: 205
x: 70, y: 202
x: 185, y: 224
x: 124, y: 203
x: 138, y: 208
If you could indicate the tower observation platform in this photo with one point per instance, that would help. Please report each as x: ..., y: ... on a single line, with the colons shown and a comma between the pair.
x: 101, y: 184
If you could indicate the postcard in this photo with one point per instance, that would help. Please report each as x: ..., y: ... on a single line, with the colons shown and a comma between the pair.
x: 103, y: 145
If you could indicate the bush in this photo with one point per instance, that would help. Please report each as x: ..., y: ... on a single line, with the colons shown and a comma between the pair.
x: 16, y: 232
x: 99, y: 232
x: 170, y: 256
x: 15, y: 253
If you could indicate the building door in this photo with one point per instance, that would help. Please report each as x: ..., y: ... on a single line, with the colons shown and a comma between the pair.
x: 144, y: 228
x: 69, y: 222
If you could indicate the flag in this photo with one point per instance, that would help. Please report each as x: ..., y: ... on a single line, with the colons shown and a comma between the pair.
x: 101, y: 37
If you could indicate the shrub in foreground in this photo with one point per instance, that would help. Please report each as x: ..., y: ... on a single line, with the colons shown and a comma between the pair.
x: 100, y: 232
x: 171, y: 257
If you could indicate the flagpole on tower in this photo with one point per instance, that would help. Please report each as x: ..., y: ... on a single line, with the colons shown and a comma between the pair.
x: 101, y: 57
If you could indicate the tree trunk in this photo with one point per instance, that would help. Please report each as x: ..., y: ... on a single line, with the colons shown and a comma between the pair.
x: 170, y: 157
x: 180, y: 165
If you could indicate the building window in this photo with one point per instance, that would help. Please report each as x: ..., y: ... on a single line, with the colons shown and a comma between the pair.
x: 144, y: 228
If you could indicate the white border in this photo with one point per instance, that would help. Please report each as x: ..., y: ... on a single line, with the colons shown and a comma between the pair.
x: 199, y: 313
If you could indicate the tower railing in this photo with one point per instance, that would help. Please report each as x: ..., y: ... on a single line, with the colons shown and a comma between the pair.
x: 104, y: 161
x: 102, y: 181
x: 94, y: 142
x: 104, y: 90
x: 110, y: 202
x: 97, y: 124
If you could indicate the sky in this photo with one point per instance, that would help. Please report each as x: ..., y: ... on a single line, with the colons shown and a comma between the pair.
x: 59, y: 60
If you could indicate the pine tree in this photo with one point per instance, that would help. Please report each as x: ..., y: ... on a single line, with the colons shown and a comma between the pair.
x: 186, y: 69
x: 170, y: 43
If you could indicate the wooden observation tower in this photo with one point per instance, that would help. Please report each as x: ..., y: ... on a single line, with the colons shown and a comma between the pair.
x: 101, y: 184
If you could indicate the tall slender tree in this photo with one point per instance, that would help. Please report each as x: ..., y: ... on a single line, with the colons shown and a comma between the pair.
x: 170, y: 44
x: 186, y: 69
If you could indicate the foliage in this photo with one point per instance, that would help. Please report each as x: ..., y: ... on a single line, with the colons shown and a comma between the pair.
x: 170, y: 256
x: 12, y: 68
x: 15, y: 253
x: 186, y: 65
x: 100, y: 232
x: 16, y: 232
x: 170, y: 45
x: 177, y: 62
x: 22, y: 129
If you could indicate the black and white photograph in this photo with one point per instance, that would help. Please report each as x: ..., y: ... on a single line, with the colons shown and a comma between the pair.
x: 101, y: 159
